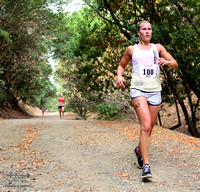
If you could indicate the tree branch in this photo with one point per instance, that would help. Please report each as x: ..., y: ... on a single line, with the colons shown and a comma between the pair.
x: 100, y: 14
x: 128, y: 36
x: 187, y: 17
x: 113, y: 23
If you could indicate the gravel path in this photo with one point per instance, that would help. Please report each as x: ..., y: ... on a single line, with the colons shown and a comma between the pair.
x: 49, y: 154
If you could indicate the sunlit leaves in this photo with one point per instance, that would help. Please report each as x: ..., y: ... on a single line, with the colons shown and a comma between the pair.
x: 5, y: 36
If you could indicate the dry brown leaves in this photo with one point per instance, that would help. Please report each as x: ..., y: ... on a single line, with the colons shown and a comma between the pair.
x: 107, y: 123
x: 26, y: 139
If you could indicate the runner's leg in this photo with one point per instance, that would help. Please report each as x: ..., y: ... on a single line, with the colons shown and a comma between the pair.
x: 63, y: 111
x: 154, y: 113
x: 60, y: 111
x: 142, y: 109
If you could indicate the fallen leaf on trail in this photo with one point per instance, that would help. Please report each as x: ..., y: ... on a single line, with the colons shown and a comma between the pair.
x: 17, y: 149
x: 107, y: 123
x: 117, y: 188
x: 59, y: 182
x: 2, y: 158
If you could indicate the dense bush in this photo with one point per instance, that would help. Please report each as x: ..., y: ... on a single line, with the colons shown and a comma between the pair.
x: 109, y: 111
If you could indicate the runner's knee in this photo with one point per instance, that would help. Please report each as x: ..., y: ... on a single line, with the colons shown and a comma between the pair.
x: 146, y: 128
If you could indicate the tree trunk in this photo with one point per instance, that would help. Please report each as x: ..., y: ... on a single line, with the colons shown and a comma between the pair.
x: 178, y: 115
x: 191, y: 128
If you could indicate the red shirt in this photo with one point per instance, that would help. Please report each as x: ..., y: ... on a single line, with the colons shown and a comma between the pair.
x: 61, y: 99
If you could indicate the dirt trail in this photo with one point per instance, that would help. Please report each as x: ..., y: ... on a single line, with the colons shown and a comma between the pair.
x: 48, y: 154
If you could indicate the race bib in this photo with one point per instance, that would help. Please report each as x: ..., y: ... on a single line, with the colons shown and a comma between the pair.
x: 149, y: 70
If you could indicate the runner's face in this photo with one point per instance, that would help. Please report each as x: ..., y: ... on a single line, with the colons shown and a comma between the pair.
x: 145, y: 32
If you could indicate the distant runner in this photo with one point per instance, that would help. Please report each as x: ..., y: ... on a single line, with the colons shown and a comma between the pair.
x: 43, y: 112
x: 145, y: 89
x: 61, y: 105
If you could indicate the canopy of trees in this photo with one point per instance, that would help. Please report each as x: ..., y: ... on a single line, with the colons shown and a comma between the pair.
x: 97, y: 36
x: 26, y: 31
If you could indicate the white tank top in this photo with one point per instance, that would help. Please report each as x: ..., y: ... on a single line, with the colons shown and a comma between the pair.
x: 146, y: 71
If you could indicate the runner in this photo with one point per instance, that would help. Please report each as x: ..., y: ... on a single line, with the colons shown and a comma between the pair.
x: 61, y: 105
x: 145, y: 89
x: 43, y: 112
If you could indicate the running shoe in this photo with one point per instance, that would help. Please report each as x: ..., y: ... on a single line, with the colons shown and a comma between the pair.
x: 146, y: 173
x: 139, y: 158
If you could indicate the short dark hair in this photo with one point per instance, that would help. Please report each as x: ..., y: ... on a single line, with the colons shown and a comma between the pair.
x: 144, y: 21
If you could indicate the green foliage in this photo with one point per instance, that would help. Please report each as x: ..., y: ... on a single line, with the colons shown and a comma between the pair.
x: 109, y: 111
x: 48, y: 99
x: 77, y: 66
x: 27, y: 29
x: 5, y: 36
x: 2, y: 95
